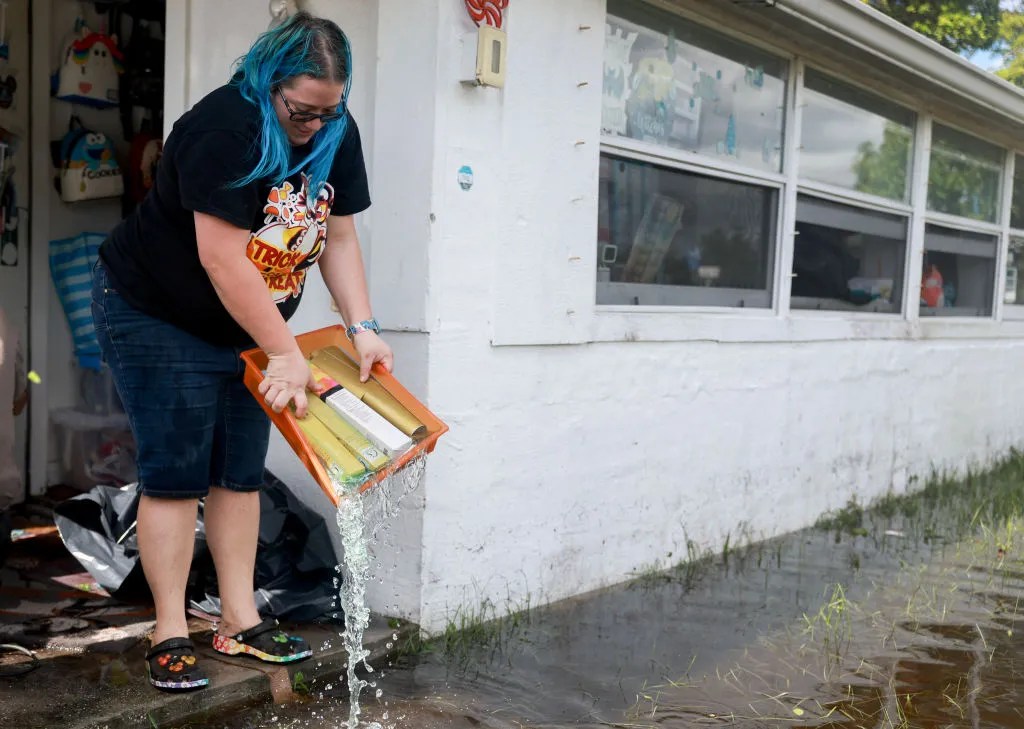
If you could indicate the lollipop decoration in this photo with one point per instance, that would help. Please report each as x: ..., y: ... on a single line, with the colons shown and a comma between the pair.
x: 486, y: 11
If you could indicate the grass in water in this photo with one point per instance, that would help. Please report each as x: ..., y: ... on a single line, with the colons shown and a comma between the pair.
x: 488, y: 629
x: 847, y: 665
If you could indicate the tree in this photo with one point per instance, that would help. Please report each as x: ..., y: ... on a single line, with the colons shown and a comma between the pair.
x: 884, y: 169
x: 956, y: 185
x: 1011, y: 45
x: 962, y: 26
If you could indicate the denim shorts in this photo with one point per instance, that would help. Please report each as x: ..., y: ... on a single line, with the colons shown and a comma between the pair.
x: 195, y: 423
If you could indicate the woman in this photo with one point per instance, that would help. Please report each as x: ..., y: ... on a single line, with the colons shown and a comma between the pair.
x: 257, y: 182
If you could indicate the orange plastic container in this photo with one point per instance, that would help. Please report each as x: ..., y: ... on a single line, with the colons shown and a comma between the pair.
x: 256, y: 361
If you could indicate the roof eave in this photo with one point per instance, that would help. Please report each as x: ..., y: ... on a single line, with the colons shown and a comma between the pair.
x: 880, y: 35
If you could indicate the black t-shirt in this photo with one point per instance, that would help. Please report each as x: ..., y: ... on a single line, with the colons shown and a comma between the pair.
x: 152, y: 257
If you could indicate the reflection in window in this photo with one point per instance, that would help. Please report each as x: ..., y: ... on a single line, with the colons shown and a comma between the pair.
x: 1015, y: 273
x: 958, y: 278
x: 964, y: 175
x: 855, y: 140
x: 1017, y: 208
x: 846, y: 258
x: 673, y: 238
x: 673, y: 83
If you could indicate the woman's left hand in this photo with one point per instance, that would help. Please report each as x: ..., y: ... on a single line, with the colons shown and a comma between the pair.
x: 372, y: 349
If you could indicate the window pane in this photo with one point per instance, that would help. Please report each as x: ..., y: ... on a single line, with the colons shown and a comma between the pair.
x: 846, y: 258
x: 963, y: 175
x: 958, y: 278
x: 673, y: 238
x: 855, y: 140
x: 1017, y: 209
x: 1015, y: 273
x: 674, y: 83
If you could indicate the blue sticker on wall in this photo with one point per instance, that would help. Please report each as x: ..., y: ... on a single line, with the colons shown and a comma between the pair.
x: 465, y: 177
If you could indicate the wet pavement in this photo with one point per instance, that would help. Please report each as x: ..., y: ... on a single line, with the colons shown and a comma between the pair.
x: 87, y: 666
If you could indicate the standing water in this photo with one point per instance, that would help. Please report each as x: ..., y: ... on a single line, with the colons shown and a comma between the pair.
x: 360, y: 517
x: 904, y: 615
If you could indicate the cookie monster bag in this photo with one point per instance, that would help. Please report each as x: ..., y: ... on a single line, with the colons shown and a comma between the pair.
x: 87, y: 166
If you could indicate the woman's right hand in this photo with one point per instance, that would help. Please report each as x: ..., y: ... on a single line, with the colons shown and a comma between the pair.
x: 288, y: 375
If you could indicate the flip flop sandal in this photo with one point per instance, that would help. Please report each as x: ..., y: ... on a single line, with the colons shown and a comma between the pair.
x: 172, y: 666
x: 265, y: 641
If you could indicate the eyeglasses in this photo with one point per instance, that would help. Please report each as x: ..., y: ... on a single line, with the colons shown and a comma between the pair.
x: 307, y: 116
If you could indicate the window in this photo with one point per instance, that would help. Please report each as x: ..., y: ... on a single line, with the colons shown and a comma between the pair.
x: 1015, y: 272
x: 671, y: 237
x: 1017, y: 206
x: 958, y: 278
x: 852, y: 139
x: 670, y: 234
x: 964, y: 175
x: 675, y: 84
x: 847, y: 258
x: 1013, y: 296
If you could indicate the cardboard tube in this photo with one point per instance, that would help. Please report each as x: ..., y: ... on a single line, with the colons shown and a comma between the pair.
x: 345, y: 466
x: 346, y: 373
x: 371, y: 456
x: 374, y: 426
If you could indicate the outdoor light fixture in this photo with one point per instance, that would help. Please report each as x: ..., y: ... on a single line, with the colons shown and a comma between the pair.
x: 489, y: 66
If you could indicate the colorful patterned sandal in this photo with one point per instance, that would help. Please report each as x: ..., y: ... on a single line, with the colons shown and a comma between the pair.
x: 265, y: 641
x: 172, y: 666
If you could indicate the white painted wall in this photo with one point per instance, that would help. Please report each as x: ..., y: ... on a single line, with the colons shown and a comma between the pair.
x: 14, y: 280
x: 570, y: 465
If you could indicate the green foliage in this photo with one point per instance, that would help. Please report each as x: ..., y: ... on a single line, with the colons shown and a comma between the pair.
x: 884, y: 169
x: 1011, y: 45
x: 957, y: 184
x: 966, y: 26
x: 962, y: 26
x: 299, y: 684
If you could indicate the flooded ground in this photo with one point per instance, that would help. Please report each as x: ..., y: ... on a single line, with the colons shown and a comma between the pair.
x: 903, y: 616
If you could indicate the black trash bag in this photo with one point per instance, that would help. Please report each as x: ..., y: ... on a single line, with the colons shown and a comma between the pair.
x: 295, y: 560
x: 98, y: 528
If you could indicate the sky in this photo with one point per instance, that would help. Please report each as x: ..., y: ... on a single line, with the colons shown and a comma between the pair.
x: 986, y: 59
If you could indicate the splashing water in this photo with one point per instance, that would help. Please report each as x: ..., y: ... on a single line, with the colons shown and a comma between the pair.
x: 360, y: 516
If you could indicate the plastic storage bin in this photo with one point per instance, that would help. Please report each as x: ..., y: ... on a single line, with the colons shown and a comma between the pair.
x: 94, y: 449
x: 256, y: 361
x: 98, y: 394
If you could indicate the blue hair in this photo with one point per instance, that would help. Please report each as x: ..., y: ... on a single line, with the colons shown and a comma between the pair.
x: 301, y: 46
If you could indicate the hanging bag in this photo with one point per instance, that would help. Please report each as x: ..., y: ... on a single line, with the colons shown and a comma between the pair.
x: 89, y: 70
x: 87, y: 166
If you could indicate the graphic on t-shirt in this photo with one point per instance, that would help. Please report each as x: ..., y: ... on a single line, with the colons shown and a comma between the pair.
x: 292, y: 237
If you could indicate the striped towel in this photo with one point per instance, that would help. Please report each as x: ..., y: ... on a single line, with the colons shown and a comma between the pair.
x: 71, y: 264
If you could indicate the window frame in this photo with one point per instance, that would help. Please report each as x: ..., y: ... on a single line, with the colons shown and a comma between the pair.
x: 779, y: 322
x: 963, y: 220
x: 856, y: 196
x: 653, y: 154
x: 869, y: 203
x: 696, y: 163
x: 971, y: 225
x: 1008, y: 312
